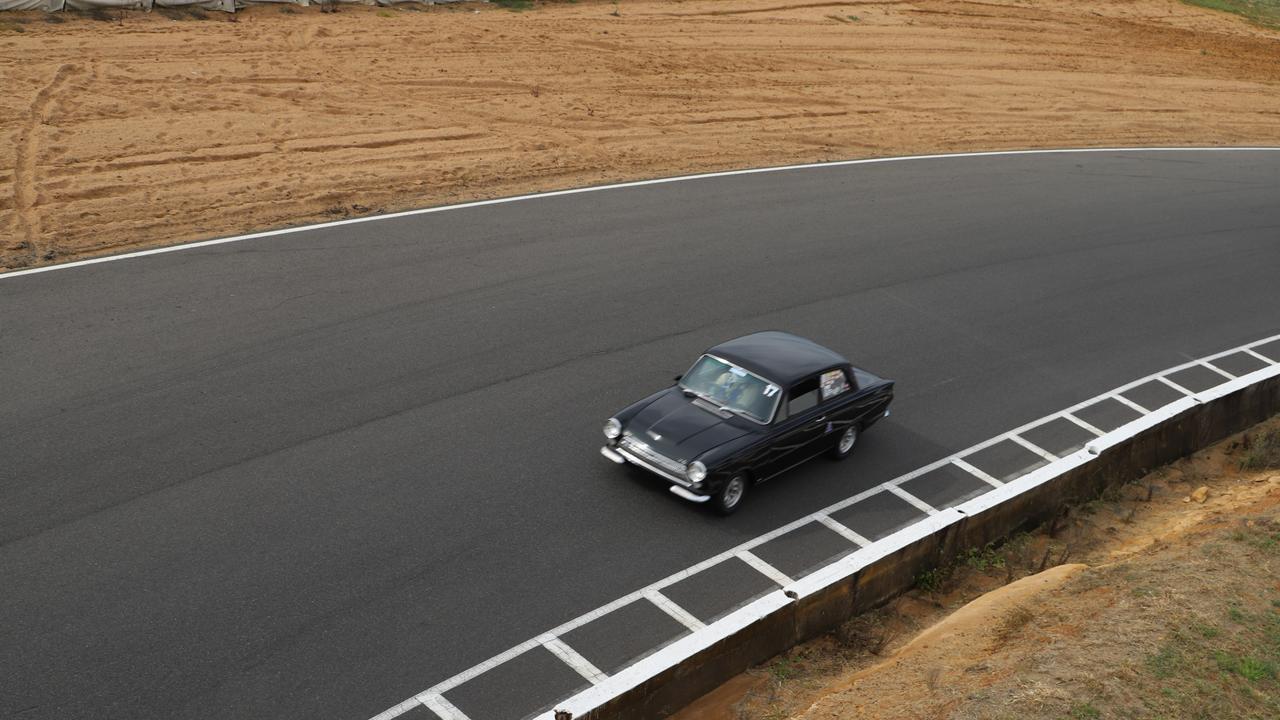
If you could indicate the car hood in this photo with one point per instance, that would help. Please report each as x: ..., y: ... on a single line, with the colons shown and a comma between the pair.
x: 677, y: 428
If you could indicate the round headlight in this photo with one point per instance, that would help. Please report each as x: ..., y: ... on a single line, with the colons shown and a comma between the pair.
x: 697, y: 472
x: 612, y: 428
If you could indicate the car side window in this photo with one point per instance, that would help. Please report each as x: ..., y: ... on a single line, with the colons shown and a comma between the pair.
x: 803, y: 396
x: 833, y: 383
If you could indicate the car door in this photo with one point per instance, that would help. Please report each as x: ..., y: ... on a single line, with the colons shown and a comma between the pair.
x: 839, y: 398
x: 800, y: 423
x: 852, y: 404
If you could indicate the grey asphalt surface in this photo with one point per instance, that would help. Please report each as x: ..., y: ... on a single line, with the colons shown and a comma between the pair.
x: 311, y: 475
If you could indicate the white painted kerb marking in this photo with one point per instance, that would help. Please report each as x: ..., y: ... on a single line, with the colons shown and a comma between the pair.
x: 1260, y: 356
x: 1033, y: 447
x: 1174, y: 385
x: 1129, y: 403
x: 669, y: 657
x: 437, y: 704
x: 1218, y: 370
x: 665, y: 604
x: 977, y: 472
x: 573, y: 659
x: 916, y: 502
x: 1081, y: 423
x: 843, y: 530
x: 614, y: 186
x: 703, y: 635
x: 764, y: 568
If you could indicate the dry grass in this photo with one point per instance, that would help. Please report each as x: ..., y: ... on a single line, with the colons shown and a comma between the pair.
x: 1176, y: 616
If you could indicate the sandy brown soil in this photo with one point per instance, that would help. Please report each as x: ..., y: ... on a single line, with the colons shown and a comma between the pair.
x: 1159, y: 607
x: 150, y: 129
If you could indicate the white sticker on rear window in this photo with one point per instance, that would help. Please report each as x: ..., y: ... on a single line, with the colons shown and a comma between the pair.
x: 771, y: 391
x: 833, y: 383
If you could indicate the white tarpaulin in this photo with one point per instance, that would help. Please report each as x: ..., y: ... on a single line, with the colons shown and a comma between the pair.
x: 49, y: 5
x: 122, y: 4
x: 227, y: 5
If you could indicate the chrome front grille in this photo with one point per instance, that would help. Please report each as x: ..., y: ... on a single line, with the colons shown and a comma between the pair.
x: 648, y: 455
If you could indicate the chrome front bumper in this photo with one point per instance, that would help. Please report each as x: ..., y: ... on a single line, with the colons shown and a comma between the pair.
x: 621, y: 456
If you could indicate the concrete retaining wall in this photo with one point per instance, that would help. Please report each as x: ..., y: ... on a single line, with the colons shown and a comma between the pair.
x: 873, y: 575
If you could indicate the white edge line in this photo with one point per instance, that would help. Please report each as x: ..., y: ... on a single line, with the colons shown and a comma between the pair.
x: 482, y: 668
x: 764, y: 568
x: 977, y: 472
x: 1034, y: 448
x: 573, y: 659
x: 841, y: 529
x: 612, y: 186
x: 1102, y: 442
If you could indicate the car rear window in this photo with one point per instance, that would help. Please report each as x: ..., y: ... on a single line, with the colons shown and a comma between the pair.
x: 833, y: 383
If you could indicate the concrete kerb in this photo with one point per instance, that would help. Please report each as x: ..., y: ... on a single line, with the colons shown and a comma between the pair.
x: 818, y: 603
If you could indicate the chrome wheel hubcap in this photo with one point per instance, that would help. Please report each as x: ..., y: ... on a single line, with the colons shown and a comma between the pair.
x: 847, y: 440
x: 733, y: 492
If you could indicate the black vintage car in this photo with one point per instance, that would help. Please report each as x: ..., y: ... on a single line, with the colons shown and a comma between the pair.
x: 746, y: 411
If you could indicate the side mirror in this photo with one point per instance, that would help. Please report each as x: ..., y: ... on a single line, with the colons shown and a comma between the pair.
x: 677, y: 378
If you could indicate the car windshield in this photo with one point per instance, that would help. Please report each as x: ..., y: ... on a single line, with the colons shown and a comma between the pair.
x: 732, y: 388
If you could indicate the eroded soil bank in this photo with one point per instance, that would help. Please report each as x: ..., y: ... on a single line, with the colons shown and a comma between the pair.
x: 140, y: 129
x: 1159, y: 600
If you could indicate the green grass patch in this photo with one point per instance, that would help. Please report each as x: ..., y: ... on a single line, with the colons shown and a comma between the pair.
x: 782, y: 670
x: 1168, y: 662
x: 1263, y: 451
x: 514, y: 5
x: 1262, y: 12
x: 982, y: 559
x: 1234, y: 667
x: 930, y: 581
x: 1084, y: 711
x: 1206, y: 631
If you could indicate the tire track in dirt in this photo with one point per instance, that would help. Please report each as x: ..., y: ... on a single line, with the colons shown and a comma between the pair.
x: 798, y: 6
x: 26, y: 216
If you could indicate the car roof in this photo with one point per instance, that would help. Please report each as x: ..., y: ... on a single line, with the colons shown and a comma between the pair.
x: 778, y: 356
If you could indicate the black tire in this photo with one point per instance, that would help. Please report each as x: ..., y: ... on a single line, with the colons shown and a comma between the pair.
x: 729, y: 499
x: 845, y: 443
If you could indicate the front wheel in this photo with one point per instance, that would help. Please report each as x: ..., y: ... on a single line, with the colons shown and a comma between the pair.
x: 845, y: 444
x: 730, y: 496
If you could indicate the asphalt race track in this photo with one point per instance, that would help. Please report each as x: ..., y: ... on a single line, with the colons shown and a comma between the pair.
x: 310, y: 475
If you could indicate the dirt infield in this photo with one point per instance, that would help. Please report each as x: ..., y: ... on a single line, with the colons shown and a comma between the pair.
x: 139, y: 129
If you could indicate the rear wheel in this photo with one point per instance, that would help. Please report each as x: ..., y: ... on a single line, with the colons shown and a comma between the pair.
x: 730, y: 496
x: 844, y: 445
